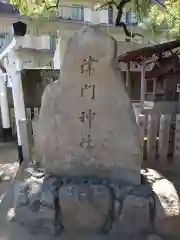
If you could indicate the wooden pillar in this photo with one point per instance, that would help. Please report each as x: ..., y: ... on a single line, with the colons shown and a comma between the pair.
x: 141, y: 120
x: 154, y: 89
x: 153, y: 120
x: 177, y: 139
x: 141, y: 123
x: 142, y: 93
x: 6, y: 127
x: 28, y: 113
x: 165, y: 122
x: 128, y: 80
x: 178, y: 104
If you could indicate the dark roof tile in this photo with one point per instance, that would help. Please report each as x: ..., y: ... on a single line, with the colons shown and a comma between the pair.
x: 7, y: 8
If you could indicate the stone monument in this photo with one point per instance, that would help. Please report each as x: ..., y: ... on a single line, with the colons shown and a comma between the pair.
x: 86, y: 182
x: 87, y: 126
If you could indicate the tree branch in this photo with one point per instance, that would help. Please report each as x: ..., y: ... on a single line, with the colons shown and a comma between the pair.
x: 161, y: 4
x: 53, y: 6
x: 108, y: 4
x: 126, y: 31
x: 119, y: 23
x: 137, y: 9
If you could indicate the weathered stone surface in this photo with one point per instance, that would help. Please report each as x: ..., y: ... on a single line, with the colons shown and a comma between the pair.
x: 28, y: 192
x: 48, y: 192
x: 41, y: 222
x: 134, y: 218
x: 153, y: 237
x: 34, y: 194
x: 34, y: 206
x: 85, y: 208
x: 62, y: 133
x: 33, y: 191
x: 121, y: 193
x: 21, y: 193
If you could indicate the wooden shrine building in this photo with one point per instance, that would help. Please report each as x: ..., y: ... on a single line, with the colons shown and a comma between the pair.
x: 158, y: 75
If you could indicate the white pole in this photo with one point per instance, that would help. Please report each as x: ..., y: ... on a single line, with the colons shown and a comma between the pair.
x: 142, y: 87
x: 11, y: 51
x: 19, y: 109
x: 17, y: 91
x: 6, y: 127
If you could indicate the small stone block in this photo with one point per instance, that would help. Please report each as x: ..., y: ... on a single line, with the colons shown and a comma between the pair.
x: 84, y: 208
x: 134, y: 218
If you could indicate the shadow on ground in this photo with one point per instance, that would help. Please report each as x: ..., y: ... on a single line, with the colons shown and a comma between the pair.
x: 164, y: 179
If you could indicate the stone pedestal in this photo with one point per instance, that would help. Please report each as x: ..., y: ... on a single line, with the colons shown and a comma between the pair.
x: 40, y: 210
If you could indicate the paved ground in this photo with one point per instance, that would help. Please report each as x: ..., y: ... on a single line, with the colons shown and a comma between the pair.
x: 8, y: 165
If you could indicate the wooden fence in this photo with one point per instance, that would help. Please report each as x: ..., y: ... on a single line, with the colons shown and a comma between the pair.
x: 159, y: 134
x: 160, y: 137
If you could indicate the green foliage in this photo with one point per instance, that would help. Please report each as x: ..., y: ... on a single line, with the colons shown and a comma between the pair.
x: 159, y: 19
x: 164, y: 19
x: 35, y: 8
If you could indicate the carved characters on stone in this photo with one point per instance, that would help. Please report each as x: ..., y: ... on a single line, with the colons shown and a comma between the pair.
x: 89, y: 116
x: 86, y: 142
x: 87, y: 65
x: 88, y: 86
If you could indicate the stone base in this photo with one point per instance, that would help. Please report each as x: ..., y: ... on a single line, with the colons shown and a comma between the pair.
x: 90, y: 210
x: 16, y: 232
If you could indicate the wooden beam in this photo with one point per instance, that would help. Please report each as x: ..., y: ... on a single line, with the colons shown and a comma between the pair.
x: 128, y: 80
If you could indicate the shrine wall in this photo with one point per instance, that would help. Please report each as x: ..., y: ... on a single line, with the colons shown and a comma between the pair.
x: 33, y: 86
x: 135, y: 80
x: 165, y: 87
